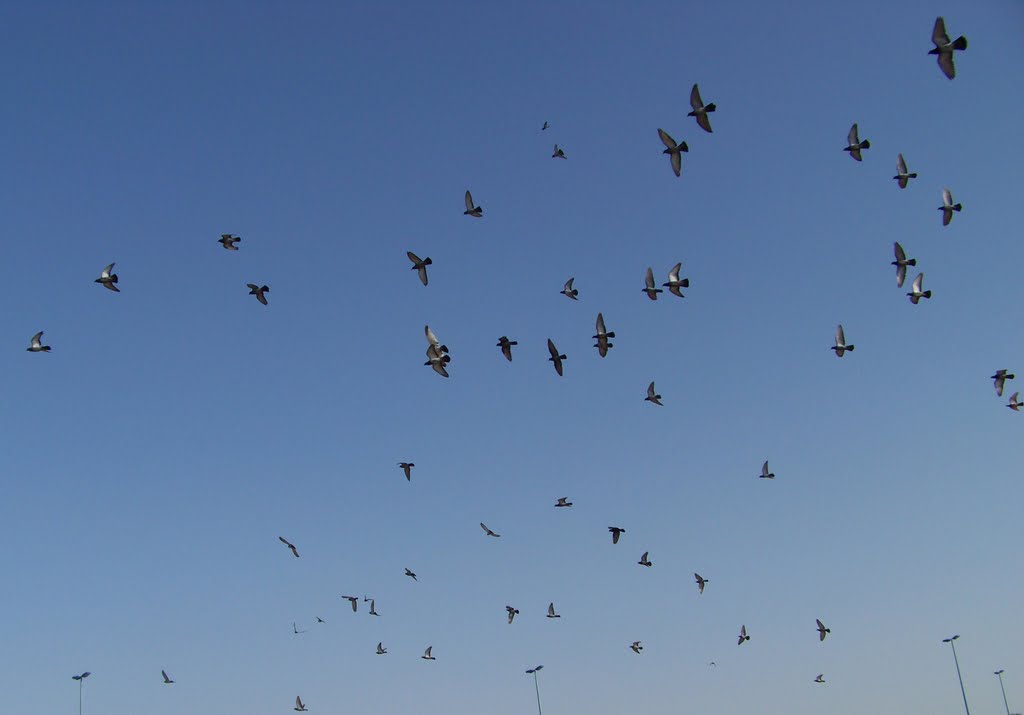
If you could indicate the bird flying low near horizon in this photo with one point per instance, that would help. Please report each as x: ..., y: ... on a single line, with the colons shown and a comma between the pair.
x: 674, y: 282
x: 636, y: 647
x: 568, y: 291
x: 999, y: 379
x: 228, y: 241
x: 944, y: 48
x: 471, y: 208
x: 290, y: 545
x: 427, y: 653
x: 819, y: 678
x: 649, y: 288
x: 411, y: 575
x: 354, y: 600
x: 700, y: 110
x: 901, y: 263
x: 555, y: 358
x: 902, y: 176
x: 644, y: 561
x: 419, y: 265
x: 167, y: 681
x: 108, y: 279
x: 822, y: 630
x: 381, y: 650
x: 765, y: 474
x: 616, y: 533
x: 563, y: 502
x: 854, y: 145
x: 1015, y: 403
x: 674, y: 151
x: 559, y: 154
x: 652, y: 396
x: 916, y: 293
x: 700, y: 582
x: 602, y: 336
x: 551, y: 611
x: 743, y: 635
x: 512, y: 612
x: 36, y: 345
x: 488, y: 531
x: 948, y: 207
x: 259, y: 291
x: 841, y: 347
x: 299, y: 707
x: 506, y: 346
x: 407, y: 469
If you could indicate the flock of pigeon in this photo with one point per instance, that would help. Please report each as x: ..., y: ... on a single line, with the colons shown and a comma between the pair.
x: 438, y: 357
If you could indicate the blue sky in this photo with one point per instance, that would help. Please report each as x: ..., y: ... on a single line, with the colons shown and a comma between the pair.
x: 150, y: 462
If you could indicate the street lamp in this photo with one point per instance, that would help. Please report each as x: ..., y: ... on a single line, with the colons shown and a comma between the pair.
x: 957, y: 662
x: 999, y: 674
x: 533, y: 672
x: 80, y: 679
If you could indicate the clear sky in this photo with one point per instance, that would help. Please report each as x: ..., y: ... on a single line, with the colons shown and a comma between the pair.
x: 151, y: 460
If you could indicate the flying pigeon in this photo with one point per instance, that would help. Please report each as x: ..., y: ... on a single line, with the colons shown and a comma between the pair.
x: 999, y: 378
x: 822, y: 631
x: 649, y: 288
x: 108, y: 280
x: 546, y: 125
x: 644, y: 561
x: 373, y: 608
x: 407, y: 468
x: 700, y: 110
x: 674, y: 284
x: 902, y: 176
x: 419, y: 265
x: 559, y: 154
x: 511, y: 613
x: 948, y: 207
x: 427, y: 653
x: 290, y: 545
x: 700, y: 582
x: 901, y: 263
x: 299, y: 707
x: 472, y: 209
x: 167, y: 681
x: 916, y: 293
x: 437, y: 359
x: 320, y: 620
x: 259, y: 291
x: 381, y: 650
x: 944, y: 48
x: 765, y: 474
x: 551, y: 611
x: 652, y: 396
x: 840, y: 347
x: 636, y: 647
x: 228, y: 241
x: 37, y: 344
x: 411, y: 575
x: 673, y: 150
x: 602, y: 336
x: 743, y: 635
x: 488, y: 531
x: 616, y: 532
x: 506, y: 347
x: 1015, y: 403
x: 563, y: 502
x: 295, y: 629
x: 556, y: 358
x: 819, y: 678
x: 854, y: 144
x: 568, y: 291
x: 354, y: 600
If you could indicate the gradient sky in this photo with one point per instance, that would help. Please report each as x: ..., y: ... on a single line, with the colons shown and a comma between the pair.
x: 150, y: 461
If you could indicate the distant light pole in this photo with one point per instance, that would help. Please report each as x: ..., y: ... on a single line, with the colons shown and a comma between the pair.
x: 533, y: 672
x: 957, y: 662
x: 80, y: 679
x: 999, y: 674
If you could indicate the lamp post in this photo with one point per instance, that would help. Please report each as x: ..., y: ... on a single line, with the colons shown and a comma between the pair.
x: 999, y: 674
x: 533, y: 672
x: 957, y: 662
x: 80, y: 679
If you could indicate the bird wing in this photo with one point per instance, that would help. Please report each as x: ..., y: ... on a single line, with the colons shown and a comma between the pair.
x: 558, y: 365
x: 703, y: 122
x: 553, y: 350
x: 413, y: 257
x: 551, y: 608
x: 939, y: 36
x: 506, y: 350
x: 666, y: 139
x: 106, y: 271
x: 901, y: 165
x: 901, y: 275
x: 649, y: 278
x: 916, y: 286
x: 851, y: 138
x: 439, y: 368
x: 946, y: 64
x: 764, y: 468
x: 840, y: 336
x: 36, y: 339
x: 898, y: 250
x: 567, y: 288
x: 650, y: 391
x: 422, y: 271
x: 298, y: 702
x: 677, y: 162
x: 600, y: 324
x: 431, y: 338
x: 695, y: 100
x: 947, y: 197
x: 673, y: 275
x: 484, y: 527
x: 469, y: 201
x: 427, y: 651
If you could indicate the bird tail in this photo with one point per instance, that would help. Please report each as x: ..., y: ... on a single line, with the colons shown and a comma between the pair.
x: 113, y: 278
x: 512, y: 342
x: 265, y: 289
x: 683, y: 147
x: 850, y: 348
x: 956, y: 207
x: 912, y: 262
x: 710, y: 107
x: 927, y: 294
x: 865, y: 144
x: 46, y: 348
x: 428, y: 262
x: 685, y: 283
x: 912, y: 176
x: 610, y: 335
x: 960, y: 43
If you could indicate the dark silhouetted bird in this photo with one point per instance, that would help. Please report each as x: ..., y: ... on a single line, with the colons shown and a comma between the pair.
x: 700, y: 110
x: 916, y: 293
x: 901, y: 263
x: 819, y: 678
x: 437, y: 360
x: 259, y: 291
x: 427, y: 653
x: 37, y: 344
x: 228, y: 241
x: 674, y: 282
x: 511, y: 613
x: 743, y: 635
x: 506, y: 347
x: 546, y: 125
x: 644, y: 561
x: 559, y: 154
x: 902, y: 176
x: 407, y: 469
x: 471, y: 208
x: 108, y: 280
x: 373, y: 608
x: 999, y: 378
x: 381, y: 650
x: 299, y: 707
x: 944, y: 48
x: 649, y: 288
x: 290, y: 545
x: 854, y: 144
x: 1015, y: 403
x: 563, y: 502
x: 488, y: 531
x: 551, y: 611
x: 419, y: 265
x: 636, y: 647
x: 841, y: 347
x: 948, y: 207
x: 167, y: 681
x: 673, y: 150
x: 568, y: 291
x: 556, y: 357
x: 616, y: 532
x: 602, y: 344
x: 822, y: 631
x: 700, y: 582
x: 320, y: 620
x: 765, y: 474
x: 411, y: 575
x: 652, y: 396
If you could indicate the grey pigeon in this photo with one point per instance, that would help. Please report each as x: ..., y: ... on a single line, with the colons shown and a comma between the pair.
x: 649, y: 288
x: 563, y: 502
x: 259, y: 291
x: 644, y: 561
x: 512, y: 612
x: 944, y: 48
x: 411, y: 575
x: 616, y: 532
x: 108, y: 279
x: 674, y: 282
x: 765, y: 474
x: 999, y: 378
x: 419, y: 265
x: 854, y: 143
x: 901, y: 263
x: 506, y: 347
x: 427, y: 653
x: 551, y: 611
x: 437, y: 359
x: 700, y: 110
x: 822, y: 631
x: 559, y: 154
x: 903, y: 177
x: 167, y: 681
x: 546, y: 125
x: 472, y: 209
x: 673, y: 150
x: 299, y: 707
x: 652, y: 396
x: 700, y: 582
x: 568, y: 291
x: 228, y: 241
x: 556, y: 358
x: 488, y: 531
x: 948, y: 207
x: 916, y: 293
x: 1015, y: 403
x: 290, y: 545
x: 37, y: 344
x: 602, y: 344
x: 373, y: 607
x: 636, y: 647
x: 841, y: 347
x: 381, y: 650
x: 407, y: 469
x: 819, y: 678
x: 743, y: 635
